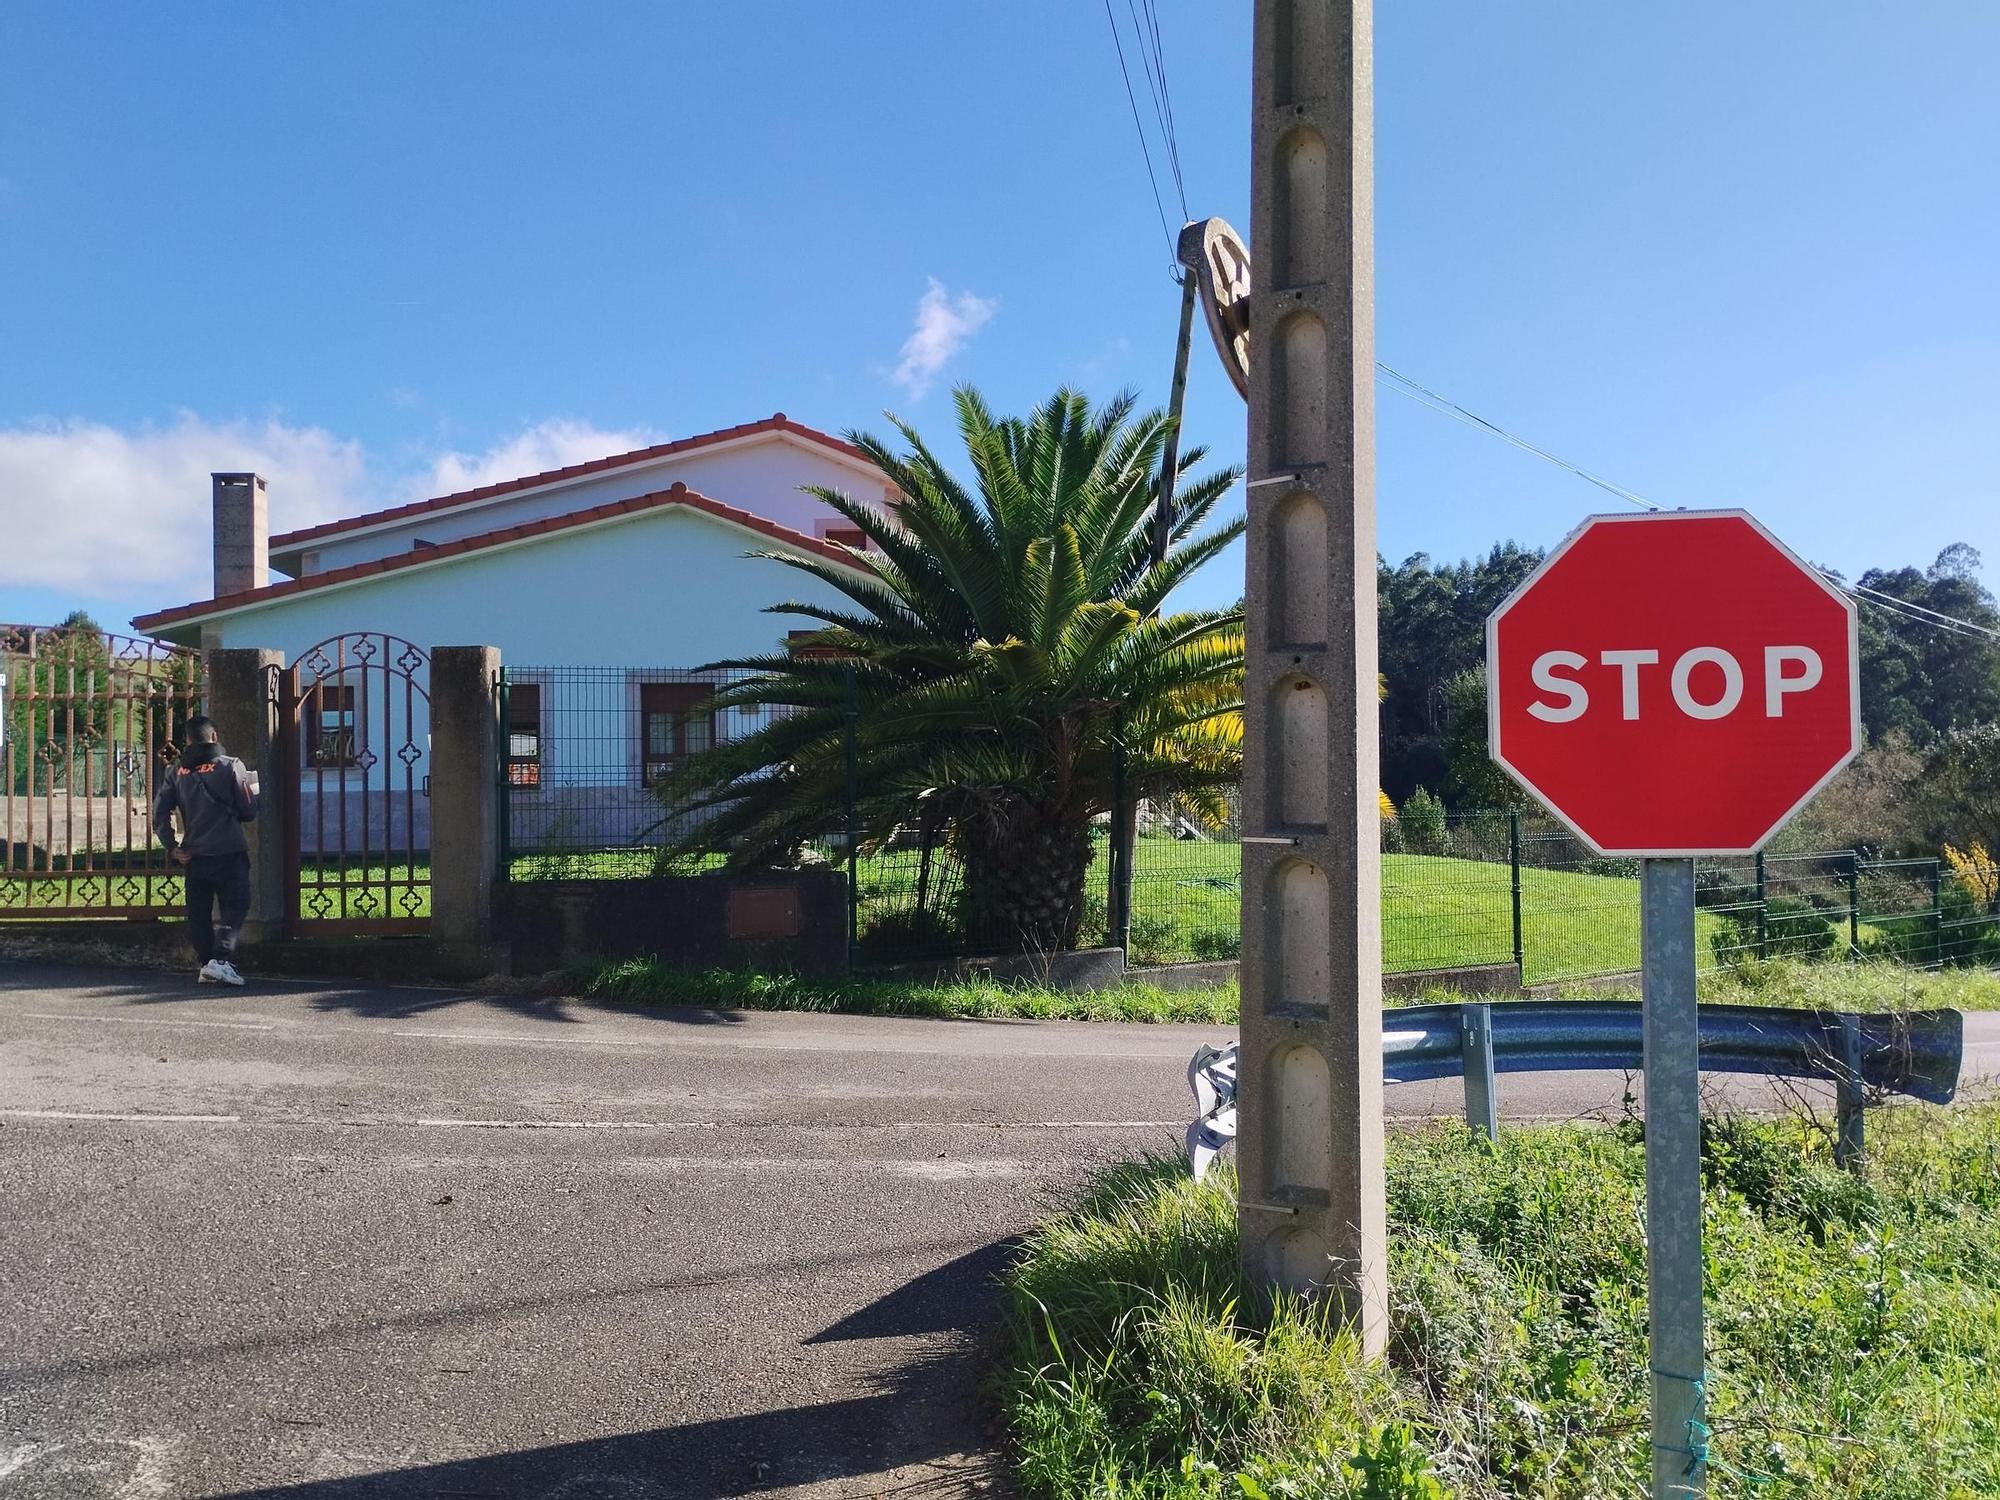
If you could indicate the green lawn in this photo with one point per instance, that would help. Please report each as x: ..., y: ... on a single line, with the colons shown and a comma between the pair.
x: 1437, y: 912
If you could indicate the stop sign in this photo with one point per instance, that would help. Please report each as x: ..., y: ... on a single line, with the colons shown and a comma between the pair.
x: 1673, y: 684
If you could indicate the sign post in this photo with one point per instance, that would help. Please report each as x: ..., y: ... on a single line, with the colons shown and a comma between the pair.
x: 1673, y: 685
x: 1672, y: 1065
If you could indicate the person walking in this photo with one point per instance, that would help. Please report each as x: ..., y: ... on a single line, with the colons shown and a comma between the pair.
x: 215, y: 795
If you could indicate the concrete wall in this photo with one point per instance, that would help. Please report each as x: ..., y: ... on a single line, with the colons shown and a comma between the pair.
x: 791, y: 920
x: 761, y: 475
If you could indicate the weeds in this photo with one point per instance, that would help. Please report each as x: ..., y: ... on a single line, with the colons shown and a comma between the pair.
x: 1854, y: 1327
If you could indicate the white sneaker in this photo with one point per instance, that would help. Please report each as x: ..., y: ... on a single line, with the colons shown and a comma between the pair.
x: 220, y: 971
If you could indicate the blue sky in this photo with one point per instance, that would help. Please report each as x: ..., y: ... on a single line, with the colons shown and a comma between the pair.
x: 1721, y: 254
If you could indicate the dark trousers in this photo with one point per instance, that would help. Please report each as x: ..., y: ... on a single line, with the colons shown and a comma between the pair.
x: 214, y: 879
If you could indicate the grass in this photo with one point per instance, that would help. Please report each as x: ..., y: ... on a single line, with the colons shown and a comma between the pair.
x: 1854, y: 1327
x: 647, y: 980
x: 1864, y: 986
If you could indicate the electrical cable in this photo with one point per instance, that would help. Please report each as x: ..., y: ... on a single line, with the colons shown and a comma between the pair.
x: 1424, y: 396
x: 1145, y: 150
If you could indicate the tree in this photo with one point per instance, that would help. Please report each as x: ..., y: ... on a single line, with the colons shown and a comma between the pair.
x: 1470, y: 776
x: 58, y: 700
x: 1432, y: 625
x: 998, y: 642
x: 1918, y: 676
x: 1964, y: 785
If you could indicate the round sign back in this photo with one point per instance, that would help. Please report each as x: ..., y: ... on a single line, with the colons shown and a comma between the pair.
x: 1216, y: 255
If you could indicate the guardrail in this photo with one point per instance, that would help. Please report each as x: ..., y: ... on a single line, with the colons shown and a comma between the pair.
x: 1915, y: 1053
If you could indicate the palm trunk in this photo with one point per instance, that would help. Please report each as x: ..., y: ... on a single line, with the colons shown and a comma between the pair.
x: 1024, y: 878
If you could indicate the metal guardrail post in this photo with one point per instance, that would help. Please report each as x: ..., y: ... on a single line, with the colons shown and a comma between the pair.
x: 1482, y: 1100
x: 1514, y: 885
x: 1850, y: 1098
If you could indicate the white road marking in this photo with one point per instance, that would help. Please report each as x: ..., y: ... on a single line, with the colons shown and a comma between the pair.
x: 573, y: 1124
x: 143, y: 1119
x: 803, y: 1125
x: 42, y: 1015
x: 537, y: 1041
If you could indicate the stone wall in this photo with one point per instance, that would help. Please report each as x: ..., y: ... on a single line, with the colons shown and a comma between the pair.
x: 795, y: 920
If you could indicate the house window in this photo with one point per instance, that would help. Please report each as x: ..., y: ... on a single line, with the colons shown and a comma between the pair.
x: 811, y: 645
x: 675, y: 720
x: 329, y: 728
x: 848, y: 536
x: 524, y: 734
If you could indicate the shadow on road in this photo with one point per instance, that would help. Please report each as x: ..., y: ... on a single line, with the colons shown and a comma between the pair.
x: 170, y: 987
x: 922, y: 1430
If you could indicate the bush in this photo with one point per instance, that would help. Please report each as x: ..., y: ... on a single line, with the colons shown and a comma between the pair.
x: 1212, y: 943
x: 1151, y: 940
x: 1422, y: 821
x: 1792, y: 929
x: 912, y: 931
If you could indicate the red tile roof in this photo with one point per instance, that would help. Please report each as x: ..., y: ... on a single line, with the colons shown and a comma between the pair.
x: 679, y: 494
x: 778, y: 422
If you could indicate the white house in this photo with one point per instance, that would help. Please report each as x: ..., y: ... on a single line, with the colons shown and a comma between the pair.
x: 602, y: 584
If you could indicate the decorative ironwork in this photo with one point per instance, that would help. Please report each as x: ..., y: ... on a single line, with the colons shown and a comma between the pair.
x: 355, y: 720
x: 90, y: 723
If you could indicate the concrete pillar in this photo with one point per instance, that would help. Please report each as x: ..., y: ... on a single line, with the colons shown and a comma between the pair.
x: 242, y: 532
x: 1311, y: 1206
x: 241, y: 695
x: 465, y: 773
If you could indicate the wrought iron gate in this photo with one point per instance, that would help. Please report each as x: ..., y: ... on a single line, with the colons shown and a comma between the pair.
x: 88, y: 722
x: 355, y: 725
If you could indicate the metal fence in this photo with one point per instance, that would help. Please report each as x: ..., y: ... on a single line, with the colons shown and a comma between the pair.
x: 586, y: 748
x: 584, y: 752
x: 89, y: 722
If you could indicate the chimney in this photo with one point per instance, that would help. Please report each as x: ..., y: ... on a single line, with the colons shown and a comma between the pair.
x: 242, y: 533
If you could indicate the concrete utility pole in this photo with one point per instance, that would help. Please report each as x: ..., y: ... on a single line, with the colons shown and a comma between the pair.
x: 1311, y: 1206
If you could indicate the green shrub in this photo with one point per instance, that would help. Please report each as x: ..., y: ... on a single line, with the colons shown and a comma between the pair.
x: 1212, y: 943
x: 1422, y: 821
x: 1792, y: 929
x: 912, y: 931
x: 1152, y: 940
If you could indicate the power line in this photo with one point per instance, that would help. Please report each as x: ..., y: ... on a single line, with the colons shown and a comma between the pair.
x: 1145, y: 150
x: 1904, y: 609
x: 1917, y: 614
x: 1151, y: 57
x: 1425, y: 396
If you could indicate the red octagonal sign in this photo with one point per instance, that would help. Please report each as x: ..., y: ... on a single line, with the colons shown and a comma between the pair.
x: 1673, y: 684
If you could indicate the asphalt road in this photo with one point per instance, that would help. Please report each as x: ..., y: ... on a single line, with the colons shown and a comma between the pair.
x: 333, y: 1243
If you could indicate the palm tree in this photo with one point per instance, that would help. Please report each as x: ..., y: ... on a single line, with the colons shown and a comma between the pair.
x: 997, y: 644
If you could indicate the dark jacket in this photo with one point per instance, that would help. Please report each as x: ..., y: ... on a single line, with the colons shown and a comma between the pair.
x: 211, y: 792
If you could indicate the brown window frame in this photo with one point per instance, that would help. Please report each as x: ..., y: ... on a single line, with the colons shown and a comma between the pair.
x: 807, y: 646
x: 346, y: 707
x: 676, y: 702
x: 524, y: 721
x: 847, y: 536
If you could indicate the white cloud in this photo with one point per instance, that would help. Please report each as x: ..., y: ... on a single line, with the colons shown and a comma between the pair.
x: 545, y: 446
x: 944, y: 324
x: 111, y: 514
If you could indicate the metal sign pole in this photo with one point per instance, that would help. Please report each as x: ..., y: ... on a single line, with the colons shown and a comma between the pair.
x: 1673, y: 1178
